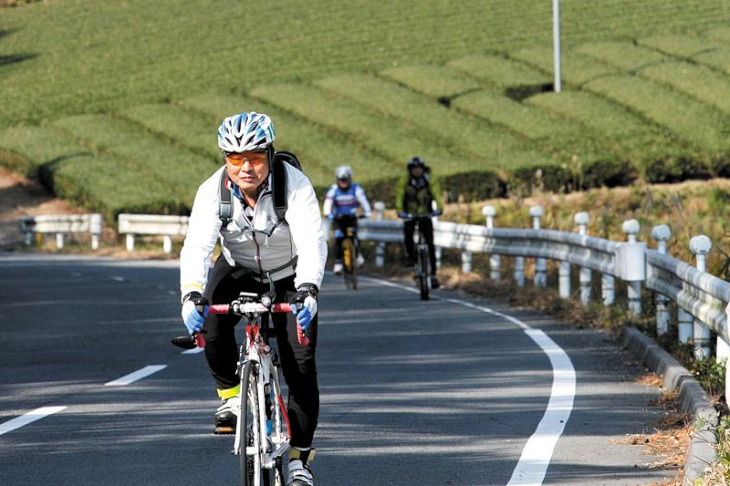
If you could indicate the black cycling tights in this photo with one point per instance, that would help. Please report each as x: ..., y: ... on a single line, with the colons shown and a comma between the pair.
x: 297, y: 361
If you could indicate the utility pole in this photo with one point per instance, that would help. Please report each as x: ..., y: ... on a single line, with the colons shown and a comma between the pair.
x: 558, y: 85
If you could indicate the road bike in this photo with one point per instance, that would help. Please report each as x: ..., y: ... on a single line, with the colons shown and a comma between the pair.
x: 262, y: 430
x: 349, y: 250
x: 422, y: 265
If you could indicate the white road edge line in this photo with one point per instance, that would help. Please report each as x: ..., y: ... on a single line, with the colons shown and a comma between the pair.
x: 28, y: 418
x: 137, y: 375
x: 535, y: 458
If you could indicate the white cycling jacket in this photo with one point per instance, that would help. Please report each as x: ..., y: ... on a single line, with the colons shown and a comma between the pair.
x: 258, y: 243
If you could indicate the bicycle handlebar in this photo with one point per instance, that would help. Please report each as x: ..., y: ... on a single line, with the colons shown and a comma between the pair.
x: 243, y: 308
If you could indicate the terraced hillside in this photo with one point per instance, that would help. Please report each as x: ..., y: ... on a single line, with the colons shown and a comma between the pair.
x: 115, y: 105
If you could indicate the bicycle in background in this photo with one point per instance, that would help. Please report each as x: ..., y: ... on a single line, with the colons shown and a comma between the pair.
x: 350, y: 251
x: 421, y: 266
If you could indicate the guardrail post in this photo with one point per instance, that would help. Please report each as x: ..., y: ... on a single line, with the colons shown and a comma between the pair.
x: 722, y: 353
x: 700, y: 246
x: 130, y: 242
x: 661, y: 235
x: 466, y: 261
x: 379, y: 207
x: 489, y: 212
x: 95, y: 225
x: 59, y: 241
x: 536, y: 213
x: 519, y: 271
x: 585, y: 276
x: 167, y: 243
x: 633, y: 290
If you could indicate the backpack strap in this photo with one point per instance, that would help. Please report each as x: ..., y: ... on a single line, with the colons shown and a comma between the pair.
x: 225, y: 212
x: 279, y: 188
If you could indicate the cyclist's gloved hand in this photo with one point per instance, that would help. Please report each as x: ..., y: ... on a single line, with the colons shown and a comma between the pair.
x: 194, y: 311
x: 438, y: 212
x: 402, y: 215
x: 304, y: 304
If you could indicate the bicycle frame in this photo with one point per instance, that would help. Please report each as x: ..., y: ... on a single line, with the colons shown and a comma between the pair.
x: 422, y: 263
x: 258, y: 357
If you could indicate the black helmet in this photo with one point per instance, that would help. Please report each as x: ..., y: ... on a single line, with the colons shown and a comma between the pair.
x: 416, y: 162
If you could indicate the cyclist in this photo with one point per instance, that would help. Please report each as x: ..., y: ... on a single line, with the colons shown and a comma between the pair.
x: 341, y: 204
x: 419, y: 194
x: 257, y: 247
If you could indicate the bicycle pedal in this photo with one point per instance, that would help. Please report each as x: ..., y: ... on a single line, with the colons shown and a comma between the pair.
x: 224, y: 430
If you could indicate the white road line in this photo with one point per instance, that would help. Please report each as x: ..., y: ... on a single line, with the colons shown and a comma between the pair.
x: 193, y: 351
x: 28, y: 418
x: 137, y: 375
x: 535, y: 458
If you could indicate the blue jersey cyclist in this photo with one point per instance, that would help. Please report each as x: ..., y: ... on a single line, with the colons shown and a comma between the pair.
x: 341, y: 205
x: 258, y: 248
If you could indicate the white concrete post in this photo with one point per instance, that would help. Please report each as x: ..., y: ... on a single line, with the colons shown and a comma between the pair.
x: 519, y: 271
x: 564, y: 280
x: 130, y: 242
x: 661, y: 235
x: 585, y: 276
x: 95, y: 226
x: 536, y: 213
x: 633, y: 290
x: 167, y: 243
x: 466, y: 261
x: 379, y: 207
x: 700, y: 246
x: 489, y: 212
x: 59, y: 241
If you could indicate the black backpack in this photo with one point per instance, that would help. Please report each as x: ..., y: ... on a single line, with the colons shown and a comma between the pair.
x: 278, y: 189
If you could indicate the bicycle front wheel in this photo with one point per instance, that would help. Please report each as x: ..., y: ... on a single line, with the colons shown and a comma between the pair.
x: 422, y: 272
x: 250, y: 443
x: 349, y: 266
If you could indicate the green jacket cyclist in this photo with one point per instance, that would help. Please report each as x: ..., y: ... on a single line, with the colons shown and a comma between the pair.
x: 418, y: 194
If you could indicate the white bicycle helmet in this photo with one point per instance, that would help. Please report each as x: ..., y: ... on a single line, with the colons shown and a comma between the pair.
x: 343, y: 173
x: 246, y: 132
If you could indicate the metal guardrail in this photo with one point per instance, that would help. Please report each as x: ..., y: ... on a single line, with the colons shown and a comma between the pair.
x: 34, y: 227
x: 149, y: 224
x: 702, y: 299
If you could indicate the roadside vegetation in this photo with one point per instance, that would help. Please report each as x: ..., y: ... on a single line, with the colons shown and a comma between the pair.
x: 141, y: 86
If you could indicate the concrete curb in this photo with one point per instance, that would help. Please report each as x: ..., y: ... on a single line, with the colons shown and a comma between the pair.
x: 692, y: 399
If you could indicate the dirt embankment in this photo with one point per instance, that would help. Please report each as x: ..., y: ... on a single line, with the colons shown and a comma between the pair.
x: 22, y: 197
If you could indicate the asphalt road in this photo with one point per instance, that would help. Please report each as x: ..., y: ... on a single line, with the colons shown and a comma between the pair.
x: 445, y: 392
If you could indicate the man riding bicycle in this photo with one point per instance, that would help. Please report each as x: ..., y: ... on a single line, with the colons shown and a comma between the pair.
x: 418, y: 194
x: 341, y: 206
x: 257, y: 246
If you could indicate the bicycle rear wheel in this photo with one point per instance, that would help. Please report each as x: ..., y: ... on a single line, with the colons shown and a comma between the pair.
x: 422, y: 272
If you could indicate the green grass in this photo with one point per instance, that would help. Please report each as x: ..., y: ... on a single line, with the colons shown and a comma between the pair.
x: 144, y: 85
x: 623, y: 55
x: 475, y: 139
x: 499, y: 71
x: 698, y: 81
x: 577, y: 69
x: 682, y: 46
x: 687, y: 118
x: 433, y: 81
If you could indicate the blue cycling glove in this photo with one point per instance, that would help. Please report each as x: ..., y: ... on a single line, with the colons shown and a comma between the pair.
x: 194, y: 312
x: 304, y: 304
